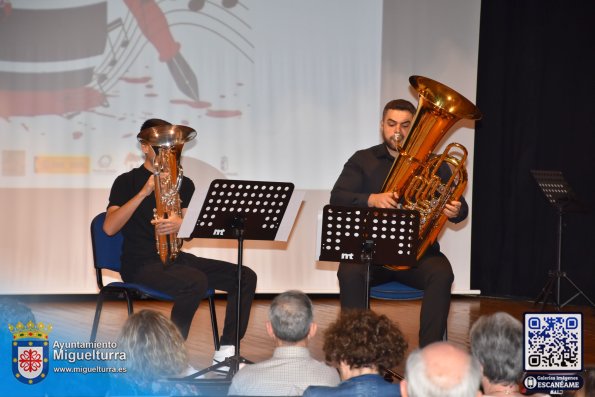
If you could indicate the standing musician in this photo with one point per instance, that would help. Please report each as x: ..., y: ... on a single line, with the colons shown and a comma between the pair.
x: 188, y: 277
x: 362, y: 177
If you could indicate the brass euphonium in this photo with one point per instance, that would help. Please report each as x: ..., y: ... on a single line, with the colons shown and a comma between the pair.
x: 167, y: 142
x: 413, y: 175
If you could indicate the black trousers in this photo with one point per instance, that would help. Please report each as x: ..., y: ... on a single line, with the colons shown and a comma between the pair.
x: 433, y: 274
x: 188, y: 280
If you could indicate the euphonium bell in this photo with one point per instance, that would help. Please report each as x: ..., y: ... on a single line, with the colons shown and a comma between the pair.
x: 167, y: 141
x: 413, y: 175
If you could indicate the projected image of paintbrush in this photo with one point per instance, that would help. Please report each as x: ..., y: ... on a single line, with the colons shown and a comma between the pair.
x: 153, y: 24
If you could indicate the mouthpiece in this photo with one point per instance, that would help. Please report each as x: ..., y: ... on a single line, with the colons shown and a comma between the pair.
x: 398, y: 138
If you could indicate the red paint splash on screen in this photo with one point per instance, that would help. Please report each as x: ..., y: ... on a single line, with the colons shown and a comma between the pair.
x: 19, y: 103
x: 217, y: 113
x: 223, y: 113
x: 136, y: 80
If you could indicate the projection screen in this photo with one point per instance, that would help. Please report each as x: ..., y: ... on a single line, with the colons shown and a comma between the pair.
x: 277, y: 90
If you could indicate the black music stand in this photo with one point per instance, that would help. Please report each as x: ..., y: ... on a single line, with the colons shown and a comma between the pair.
x: 560, y: 195
x: 241, y: 210
x: 370, y: 236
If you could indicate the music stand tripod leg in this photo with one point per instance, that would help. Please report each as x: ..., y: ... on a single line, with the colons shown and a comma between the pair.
x: 237, y: 358
x: 554, y: 276
x: 546, y: 292
x: 366, y: 258
x: 367, y: 286
x: 234, y: 361
x: 390, y: 376
x: 578, y: 293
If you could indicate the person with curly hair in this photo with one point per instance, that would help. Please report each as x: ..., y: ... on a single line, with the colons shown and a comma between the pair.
x: 362, y: 345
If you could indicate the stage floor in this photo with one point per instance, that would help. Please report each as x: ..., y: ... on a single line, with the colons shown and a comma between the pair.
x: 72, y: 316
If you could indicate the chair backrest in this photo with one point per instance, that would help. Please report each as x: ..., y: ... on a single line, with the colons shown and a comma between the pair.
x: 106, y: 249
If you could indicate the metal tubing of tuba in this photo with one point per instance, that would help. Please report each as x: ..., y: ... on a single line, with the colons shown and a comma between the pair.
x: 167, y: 141
x: 413, y: 176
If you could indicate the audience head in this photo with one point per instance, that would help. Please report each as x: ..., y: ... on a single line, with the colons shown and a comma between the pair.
x: 291, y: 317
x: 363, y: 339
x: 12, y: 312
x: 441, y: 370
x: 497, y: 342
x: 588, y: 389
x: 154, y: 347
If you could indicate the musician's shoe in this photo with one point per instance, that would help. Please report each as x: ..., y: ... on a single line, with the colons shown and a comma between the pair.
x: 220, y: 355
x: 190, y: 370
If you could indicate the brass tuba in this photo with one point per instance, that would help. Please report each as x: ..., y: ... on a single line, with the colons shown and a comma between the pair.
x: 167, y: 142
x: 413, y: 175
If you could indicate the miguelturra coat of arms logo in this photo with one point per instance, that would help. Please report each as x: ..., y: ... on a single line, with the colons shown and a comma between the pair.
x: 30, y: 351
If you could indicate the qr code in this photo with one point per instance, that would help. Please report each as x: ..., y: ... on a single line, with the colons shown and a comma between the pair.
x: 553, y: 341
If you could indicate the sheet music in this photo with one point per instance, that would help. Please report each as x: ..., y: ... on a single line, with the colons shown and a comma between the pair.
x: 318, y: 233
x: 290, y: 213
x: 193, y: 211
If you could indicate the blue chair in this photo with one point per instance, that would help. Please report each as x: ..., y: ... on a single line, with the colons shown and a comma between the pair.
x: 106, y: 255
x: 394, y: 290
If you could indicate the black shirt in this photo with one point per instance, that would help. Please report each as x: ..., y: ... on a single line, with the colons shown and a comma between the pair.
x: 138, y: 232
x: 364, y: 173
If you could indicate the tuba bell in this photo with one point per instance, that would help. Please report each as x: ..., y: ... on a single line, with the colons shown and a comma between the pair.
x: 167, y: 141
x: 413, y: 175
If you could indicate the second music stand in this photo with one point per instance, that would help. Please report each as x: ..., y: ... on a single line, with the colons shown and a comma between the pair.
x: 370, y: 236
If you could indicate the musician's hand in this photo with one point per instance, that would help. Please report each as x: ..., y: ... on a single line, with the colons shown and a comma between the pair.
x: 149, y: 186
x: 383, y: 200
x: 168, y: 225
x: 452, y: 209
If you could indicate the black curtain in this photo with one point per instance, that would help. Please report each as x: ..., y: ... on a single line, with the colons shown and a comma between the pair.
x: 536, y: 90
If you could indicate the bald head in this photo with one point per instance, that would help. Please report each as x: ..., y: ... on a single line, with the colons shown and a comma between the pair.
x: 446, y: 364
x: 441, y: 369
